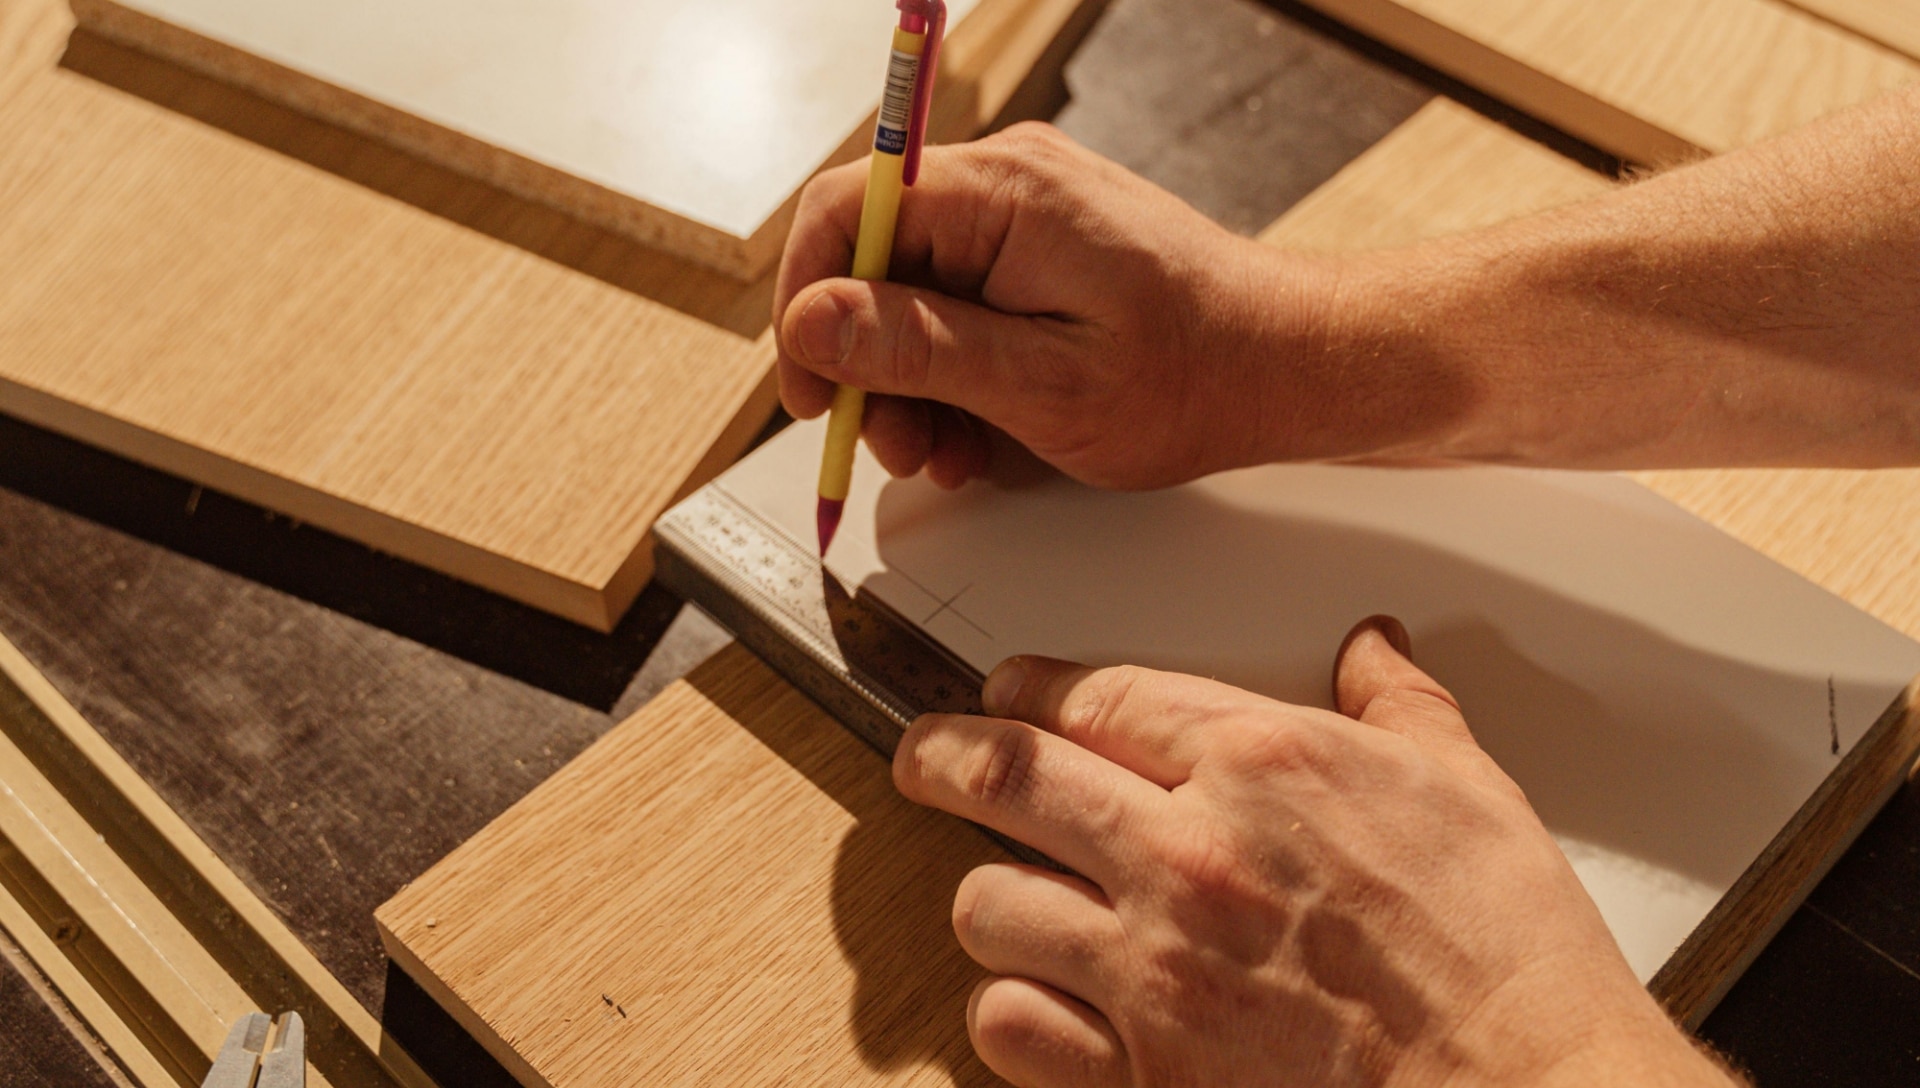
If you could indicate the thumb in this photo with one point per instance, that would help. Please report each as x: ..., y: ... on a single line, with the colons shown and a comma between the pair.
x: 1376, y: 682
x: 909, y: 342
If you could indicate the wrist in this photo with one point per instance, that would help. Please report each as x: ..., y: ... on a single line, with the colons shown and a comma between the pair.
x: 1363, y: 359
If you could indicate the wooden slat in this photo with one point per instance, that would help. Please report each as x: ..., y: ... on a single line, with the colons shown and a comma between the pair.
x: 724, y: 888
x: 1892, y: 23
x: 1652, y: 81
x: 1471, y: 173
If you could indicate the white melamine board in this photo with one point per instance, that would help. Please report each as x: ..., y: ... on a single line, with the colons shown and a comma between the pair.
x: 716, y: 110
x: 1659, y: 690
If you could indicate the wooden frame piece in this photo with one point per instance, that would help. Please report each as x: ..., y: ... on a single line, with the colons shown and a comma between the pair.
x: 1654, y: 82
x: 1893, y: 23
x: 152, y: 939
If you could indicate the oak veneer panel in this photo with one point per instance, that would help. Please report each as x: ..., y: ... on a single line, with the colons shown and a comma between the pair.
x: 1893, y: 23
x: 684, y: 125
x: 192, y: 301
x: 1446, y: 169
x: 1652, y: 81
x: 725, y: 888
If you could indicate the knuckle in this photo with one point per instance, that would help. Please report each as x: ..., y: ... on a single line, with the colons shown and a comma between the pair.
x: 1210, y: 866
x: 1003, y: 769
x: 1097, y: 705
x: 1290, y: 748
x: 970, y: 903
x: 909, y: 363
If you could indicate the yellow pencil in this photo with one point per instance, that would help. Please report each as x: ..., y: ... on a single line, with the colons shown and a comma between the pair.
x: 895, y: 164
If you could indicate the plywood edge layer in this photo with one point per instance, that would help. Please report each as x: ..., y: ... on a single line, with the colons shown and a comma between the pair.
x: 573, y: 600
x: 1892, y: 23
x: 1513, y: 81
x: 472, y: 1023
x: 742, y: 257
x: 1726, y: 942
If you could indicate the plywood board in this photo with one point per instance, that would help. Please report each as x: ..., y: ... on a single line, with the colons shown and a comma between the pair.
x: 1892, y: 23
x: 194, y: 302
x: 726, y: 888
x: 687, y: 126
x: 1652, y: 81
x: 1446, y: 169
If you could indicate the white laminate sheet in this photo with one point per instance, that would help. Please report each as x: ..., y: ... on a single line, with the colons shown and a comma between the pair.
x: 1667, y: 697
x: 716, y: 110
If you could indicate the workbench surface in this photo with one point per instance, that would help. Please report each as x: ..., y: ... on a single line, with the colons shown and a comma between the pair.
x: 332, y: 721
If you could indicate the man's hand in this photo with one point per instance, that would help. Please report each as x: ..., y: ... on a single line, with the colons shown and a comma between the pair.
x: 1104, y: 324
x: 1270, y: 894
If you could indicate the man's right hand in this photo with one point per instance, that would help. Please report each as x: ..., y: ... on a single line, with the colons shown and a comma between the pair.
x: 1102, y: 323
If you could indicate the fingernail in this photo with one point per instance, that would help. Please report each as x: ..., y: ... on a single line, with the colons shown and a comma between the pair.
x: 1395, y: 633
x: 823, y: 334
x: 1003, y: 686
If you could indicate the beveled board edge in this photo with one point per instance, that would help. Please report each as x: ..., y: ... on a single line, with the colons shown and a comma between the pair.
x: 1513, y: 81
x: 1726, y: 942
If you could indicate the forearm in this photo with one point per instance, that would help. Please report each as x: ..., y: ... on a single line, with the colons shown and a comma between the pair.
x: 1761, y: 308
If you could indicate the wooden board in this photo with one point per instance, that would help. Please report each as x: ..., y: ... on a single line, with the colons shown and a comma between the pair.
x: 685, y: 126
x: 1446, y: 169
x: 204, y: 306
x: 1892, y: 23
x: 725, y: 887
x: 1652, y: 81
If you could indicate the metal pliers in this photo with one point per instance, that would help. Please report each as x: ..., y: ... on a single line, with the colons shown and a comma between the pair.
x: 262, y: 1053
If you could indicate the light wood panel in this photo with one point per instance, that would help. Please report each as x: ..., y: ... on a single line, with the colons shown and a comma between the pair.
x: 202, y: 305
x: 689, y: 127
x: 1653, y: 81
x: 1446, y: 169
x: 726, y: 888
x: 1893, y: 23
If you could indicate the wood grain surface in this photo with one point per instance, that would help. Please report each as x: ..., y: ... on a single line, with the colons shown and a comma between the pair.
x: 1892, y: 23
x: 1446, y: 170
x: 726, y: 886
x: 1652, y: 81
x: 190, y: 300
x: 204, y: 305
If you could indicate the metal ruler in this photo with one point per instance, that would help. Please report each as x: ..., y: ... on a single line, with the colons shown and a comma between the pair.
x: 857, y: 658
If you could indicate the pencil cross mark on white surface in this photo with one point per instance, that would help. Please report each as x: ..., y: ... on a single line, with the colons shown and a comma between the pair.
x: 947, y: 607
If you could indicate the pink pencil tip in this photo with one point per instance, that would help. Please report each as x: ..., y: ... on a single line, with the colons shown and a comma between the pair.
x: 827, y: 519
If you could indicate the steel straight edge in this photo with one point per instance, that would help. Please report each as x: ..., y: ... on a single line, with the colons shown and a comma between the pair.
x: 152, y: 939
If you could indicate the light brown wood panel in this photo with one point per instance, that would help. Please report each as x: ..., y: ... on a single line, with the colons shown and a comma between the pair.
x: 725, y: 888
x: 1652, y: 81
x: 186, y: 299
x: 1446, y: 169
x: 1893, y: 23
